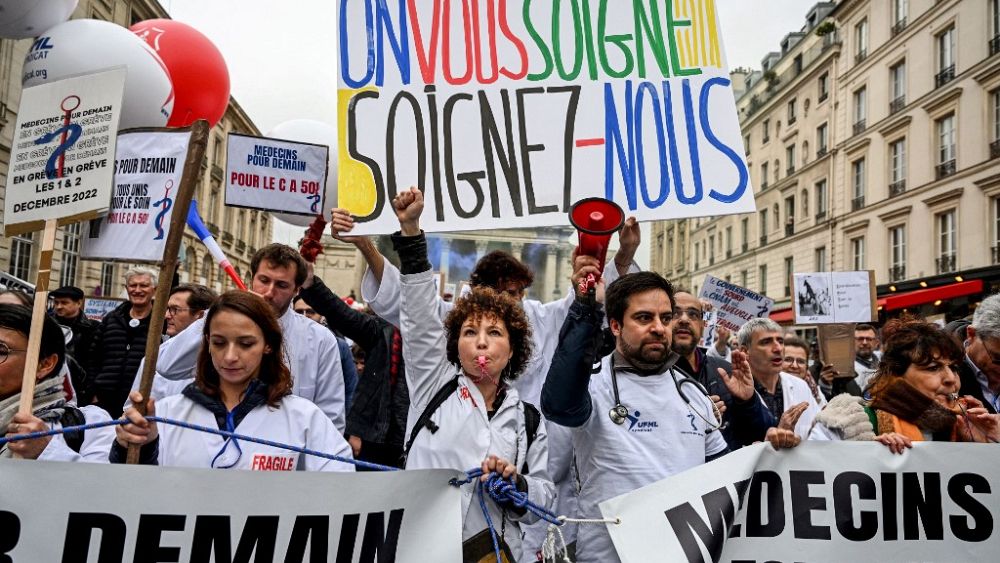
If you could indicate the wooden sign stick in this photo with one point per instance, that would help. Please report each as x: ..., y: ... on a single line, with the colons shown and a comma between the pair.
x: 185, y: 193
x: 37, y: 318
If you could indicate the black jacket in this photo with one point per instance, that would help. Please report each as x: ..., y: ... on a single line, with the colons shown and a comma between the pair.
x: 79, y: 350
x: 381, y: 399
x: 970, y: 384
x: 745, y: 422
x: 114, y: 359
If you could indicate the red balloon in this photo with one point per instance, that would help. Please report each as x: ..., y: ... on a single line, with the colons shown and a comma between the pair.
x: 196, y: 67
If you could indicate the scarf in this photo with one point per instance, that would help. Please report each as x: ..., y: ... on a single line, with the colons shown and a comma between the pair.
x: 901, y: 408
x: 49, y: 404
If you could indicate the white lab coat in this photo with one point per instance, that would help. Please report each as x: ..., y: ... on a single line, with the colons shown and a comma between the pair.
x: 466, y: 435
x: 96, y: 441
x: 795, y: 391
x: 296, y: 422
x: 311, y: 353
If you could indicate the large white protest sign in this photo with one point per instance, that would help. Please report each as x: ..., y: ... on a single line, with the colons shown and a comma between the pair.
x: 148, y: 170
x: 275, y: 175
x: 63, y: 151
x: 506, y: 114
x: 835, y: 297
x: 733, y: 305
x: 65, y: 511
x: 831, y: 501
x: 94, y: 308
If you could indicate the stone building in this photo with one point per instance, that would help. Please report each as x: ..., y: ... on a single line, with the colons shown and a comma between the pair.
x: 873, y: 139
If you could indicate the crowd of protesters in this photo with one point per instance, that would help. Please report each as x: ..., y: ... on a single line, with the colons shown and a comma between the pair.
x: 578, y: 400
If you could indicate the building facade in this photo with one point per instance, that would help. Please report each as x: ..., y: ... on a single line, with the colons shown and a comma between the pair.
x: 873, y: 139
x: 240, y: 232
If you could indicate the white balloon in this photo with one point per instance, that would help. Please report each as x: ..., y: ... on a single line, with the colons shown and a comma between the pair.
x: 317, y: 132
x: 82, y: 46
x: 20, y: 19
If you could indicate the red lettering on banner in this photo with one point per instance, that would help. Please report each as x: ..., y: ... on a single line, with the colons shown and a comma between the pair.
x: 263, y: 462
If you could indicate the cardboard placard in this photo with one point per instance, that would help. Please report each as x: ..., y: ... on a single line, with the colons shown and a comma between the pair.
x: 836, y: 347
x: 62, y: 159
x: 148, y: 169
x: 733, y: 305
x: 834, y: 297
x: 507, y: 114
x: 276, y: 175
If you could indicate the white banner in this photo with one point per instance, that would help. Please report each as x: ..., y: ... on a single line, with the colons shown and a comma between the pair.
x: 830, y: 501
x: 506, y: 114
x: 733, y: 305
x: 148, y: 170
x: 94, y: 308
x: 62, y: 160
x: 275, y: 175
x: 77, y: 512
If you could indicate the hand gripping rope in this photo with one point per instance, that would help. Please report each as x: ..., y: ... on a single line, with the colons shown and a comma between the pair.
x: 502, y: 491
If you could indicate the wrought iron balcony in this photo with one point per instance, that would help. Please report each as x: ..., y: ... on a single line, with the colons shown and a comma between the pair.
x: 995, y: 45
x: 897, y: 105
x: 821, y: 216
x: 898, y: 27
x: 995, y: 149
x: 860, y: 56
x: 729, y: 253
x: 765, y: 139
x: 763, y: 240
x: 897, y: 188
x: 945, y: 264
x: 763, y: 185
x: 240, y: 245
x: 789, y: 228
x: 745, y: 247
x: 821, y: 152
x: 945, y: 76
x: 857, y: 203
x: 859, y: 126
x: 944, y: 169
x: 822, y: 97
x: 790, y: 170
x: 791, y: 119
x: 897, y: 273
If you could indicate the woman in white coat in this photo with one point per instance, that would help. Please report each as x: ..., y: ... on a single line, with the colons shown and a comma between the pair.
x: 463, y: 411
x: 242, y: 386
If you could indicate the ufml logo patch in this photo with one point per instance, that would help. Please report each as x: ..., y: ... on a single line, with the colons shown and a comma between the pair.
x: 636, y: 425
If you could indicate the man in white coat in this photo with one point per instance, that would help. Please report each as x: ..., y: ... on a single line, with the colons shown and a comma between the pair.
x: 278, y: 272
x: 787, y: 396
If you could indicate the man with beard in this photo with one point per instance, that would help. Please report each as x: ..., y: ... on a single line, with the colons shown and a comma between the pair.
x: 745, y: 421
x: 786, y: 396
x: 657, y: 427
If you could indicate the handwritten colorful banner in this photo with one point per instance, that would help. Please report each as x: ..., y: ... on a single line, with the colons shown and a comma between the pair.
x: 63, y: 151
x: 148, y: 168
x: 507, y: 112
x: 733, y: 305
x: 276, y: 175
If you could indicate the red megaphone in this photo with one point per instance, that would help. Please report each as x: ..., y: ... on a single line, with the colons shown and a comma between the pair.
x: 595, y: 220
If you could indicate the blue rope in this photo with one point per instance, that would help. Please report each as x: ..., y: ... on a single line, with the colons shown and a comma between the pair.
x: 502, y: 491
x: 189, y: 426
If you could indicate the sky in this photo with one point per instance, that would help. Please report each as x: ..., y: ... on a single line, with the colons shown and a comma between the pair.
x: 282, y: 56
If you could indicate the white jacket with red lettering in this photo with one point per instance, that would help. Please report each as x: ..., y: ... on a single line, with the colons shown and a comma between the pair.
x: 296, y: 422
x: 465, y: 435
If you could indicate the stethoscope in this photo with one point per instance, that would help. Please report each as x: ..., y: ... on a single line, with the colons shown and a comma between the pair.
x: 619, y: 413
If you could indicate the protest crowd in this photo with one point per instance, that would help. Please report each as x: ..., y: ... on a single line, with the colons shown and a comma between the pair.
x: 574, y: 401
x: 627, y: 382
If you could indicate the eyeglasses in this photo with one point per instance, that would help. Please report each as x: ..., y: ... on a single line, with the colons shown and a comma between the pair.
x: 305, y: 311
x: 796, y: 361
x: 864, y: 339
x: 994, y: 357
x: 6, y: 351
x: 174, y: 310
x: 692, y: 314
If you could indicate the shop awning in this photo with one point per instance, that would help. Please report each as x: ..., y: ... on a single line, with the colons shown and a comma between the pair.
x: 893, y: 302
x: 905, y: 300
